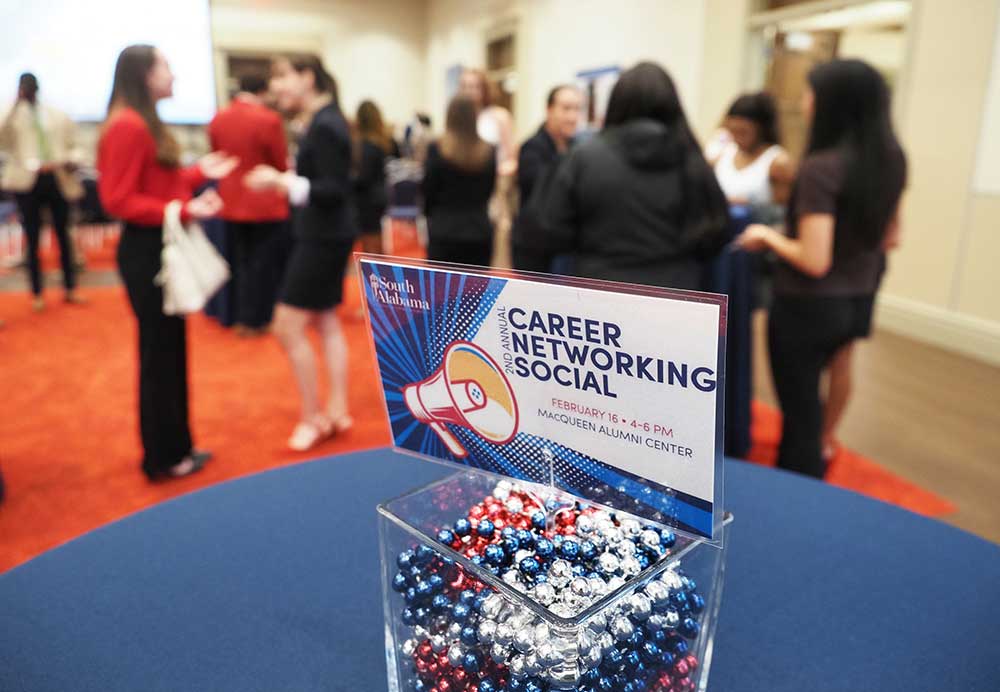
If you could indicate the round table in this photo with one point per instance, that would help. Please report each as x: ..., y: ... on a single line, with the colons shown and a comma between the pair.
x: 271, y: 582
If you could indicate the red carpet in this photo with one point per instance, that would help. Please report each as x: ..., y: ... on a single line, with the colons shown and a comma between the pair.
x: 69, y: 448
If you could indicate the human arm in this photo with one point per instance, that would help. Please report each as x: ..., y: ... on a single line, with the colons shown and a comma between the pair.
x: 811, y: 252
x: 781, y: 175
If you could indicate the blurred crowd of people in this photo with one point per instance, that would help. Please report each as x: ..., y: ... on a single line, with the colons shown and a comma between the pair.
x: 640, y: 201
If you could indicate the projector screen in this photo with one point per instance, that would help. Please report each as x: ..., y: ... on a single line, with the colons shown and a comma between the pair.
x: 71, y: 46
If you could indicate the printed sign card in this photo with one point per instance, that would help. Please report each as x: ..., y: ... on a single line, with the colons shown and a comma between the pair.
x: 611, y: 392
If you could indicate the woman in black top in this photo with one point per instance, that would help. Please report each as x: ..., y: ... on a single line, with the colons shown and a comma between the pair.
x: 459, y: 176
x: 638, y: 202
x: 842, y: 217
x: 373, y: 146
x: 325, y: 230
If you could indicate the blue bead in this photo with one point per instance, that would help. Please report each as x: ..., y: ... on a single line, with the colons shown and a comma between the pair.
x: 659, y: 637
x: 440, y: 603
x: 420, y: 686
x: 632, y: 660
x: 424, y: 554
x: 679, y: 600
x: 667, y: 539
x: 538, y: 520
x: 667, y: 659
x: 529, y: 566
x: 476, y: 559
x: 409, y: 617
x: 460, y: 612
x: 425, y: 589
x: 463, y: 527
x: 552, y: 504
x: 468, y: 597
x: 588, y: 551
x: 485, y: 528
x: 508, y: 532
x: 689, y: 584
x: 541, y: 578
x: 446, y: 536
x: 510, y: 546
x: 697, y: 603
x: 579, y: 570
x: 423, y: 615
x: 689, y: 627
x: 494, y: 554
x: 604, y: 684
x: 436, y: 582
x: 400, y: 582
x: 628, y: 687
x: 410, y: 596
x: 544, y: 548
x: 680, y: 648
x: 471, y: 662
x: 533, y: 686
x: 569, y: 549
x: 643, y: 560
x: 650, y: 652
x: 612, y: 659
x: 590, y: 676
x: 558, y: 539
x: 488, y: 685
x: 636, y: 639
x: 405, y: 559
x: 469, y: 636
x: 525, y: 539
x: 481, y: 597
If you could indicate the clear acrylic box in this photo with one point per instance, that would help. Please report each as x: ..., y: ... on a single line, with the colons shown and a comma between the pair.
x: 642, y: 618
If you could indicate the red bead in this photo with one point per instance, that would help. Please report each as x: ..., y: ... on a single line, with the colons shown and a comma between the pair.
x: 424, y: 651
x: 459, y: 677
x: 421, y: 665
x: 444, y: 685
x: 691, y: 661
x: 477, y: 512
x: 681, y: 668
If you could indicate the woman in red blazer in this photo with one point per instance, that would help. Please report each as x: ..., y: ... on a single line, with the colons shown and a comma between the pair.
x: 139, y: 173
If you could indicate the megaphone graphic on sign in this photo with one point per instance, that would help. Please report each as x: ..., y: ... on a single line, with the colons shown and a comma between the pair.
x: 470, y: 390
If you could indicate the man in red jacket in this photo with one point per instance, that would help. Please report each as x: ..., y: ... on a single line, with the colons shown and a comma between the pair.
x: 250, y: 130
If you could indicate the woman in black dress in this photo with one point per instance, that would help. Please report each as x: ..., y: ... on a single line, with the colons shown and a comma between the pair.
x: 325, y: 230
x: 374, y: 145
x: 842, y: 217
x: 459, y: 176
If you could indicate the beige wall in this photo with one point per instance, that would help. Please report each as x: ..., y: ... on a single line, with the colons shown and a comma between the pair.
x: 374, y: 49
x: 558, y: 38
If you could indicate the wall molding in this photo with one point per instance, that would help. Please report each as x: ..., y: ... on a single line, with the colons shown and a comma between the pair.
x: 954, y: 331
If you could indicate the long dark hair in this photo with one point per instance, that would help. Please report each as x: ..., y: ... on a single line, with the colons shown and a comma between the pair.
x: 460, y: 143
x: 323, y: 80
x: 851, y: 115
x: 129, y: 89
x: 759, y: 109
x: 371, y: 127
x: 646, y: 92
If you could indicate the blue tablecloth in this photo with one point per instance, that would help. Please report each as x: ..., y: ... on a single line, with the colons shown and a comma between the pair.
x: 271, y: 583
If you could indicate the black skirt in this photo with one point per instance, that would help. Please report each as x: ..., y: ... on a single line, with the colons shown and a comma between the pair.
x: 314, y: 276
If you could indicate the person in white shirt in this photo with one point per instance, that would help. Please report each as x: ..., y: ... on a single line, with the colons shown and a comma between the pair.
x: 750, y: 165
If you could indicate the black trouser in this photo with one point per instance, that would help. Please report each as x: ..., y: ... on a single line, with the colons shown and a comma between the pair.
x: 46, y: 194
x: 476, y: 252
x: 803, y: 334
x: 531, y: 259
x: 163, y: 387
x: 258, y: 270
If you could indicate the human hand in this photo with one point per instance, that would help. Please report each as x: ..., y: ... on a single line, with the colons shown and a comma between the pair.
x: 204, y: 206
x: 217, y: 165
x: 755, y: 237
x: 263, y: 177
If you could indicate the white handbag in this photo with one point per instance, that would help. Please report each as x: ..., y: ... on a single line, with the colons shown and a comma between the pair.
x: 192, y: 270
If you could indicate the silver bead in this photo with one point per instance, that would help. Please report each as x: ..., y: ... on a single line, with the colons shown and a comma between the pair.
x: 580, y: 587
x: 639, y: 606
x: 486, y: 630
x: 625, y: 548
x: 454, y: 630
x: 671, y: 580
x: 544, y: 593
x: 615, y: 583
x: 656, y: 622
x: 609, y: 563
x: 532, y: 665
x: 541, y: 633
x: 521, y: 554
x: 597, y: 586
x: 630, y: 566
x: 499, y: 653
x: 606, y: 642
x: 584, y: 642
x: 502, y: 491
x: 409, y: 647
x: 438, y: 643
x: 657, y: 592
x: 455, y: 654
x: 584, y: 525
x: 671, y: 619
x: 504, y: 634
x: 560, y: 573
x: 516, y: 667
x: 514, y: 505
x: 564, y: 675
x: 630, y: 527
x: 523, y: 641
x: 650, y: 539
x: 562, y: 609
x: 598, y: 623
x: 512, y: 577
x: 493, y: 606
x: 593, y: 657
x: 421, y: 633
x: 621, y: 628
x: 612, y: 535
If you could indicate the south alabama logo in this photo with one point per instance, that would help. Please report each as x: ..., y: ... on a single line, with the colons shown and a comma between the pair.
x: 469, y: 389
x: 396, y: 293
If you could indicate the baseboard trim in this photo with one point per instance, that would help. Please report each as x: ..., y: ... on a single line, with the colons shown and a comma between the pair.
x: 958, y: 332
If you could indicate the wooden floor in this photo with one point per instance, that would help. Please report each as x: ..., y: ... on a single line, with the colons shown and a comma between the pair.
x: 924, y: 413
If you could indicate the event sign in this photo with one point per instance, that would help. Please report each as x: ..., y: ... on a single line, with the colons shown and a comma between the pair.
x: 612, y: 392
